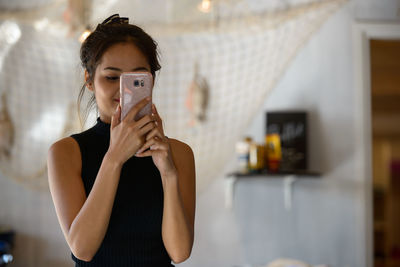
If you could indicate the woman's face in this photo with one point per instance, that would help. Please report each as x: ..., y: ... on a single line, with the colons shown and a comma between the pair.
x: 121, y: 57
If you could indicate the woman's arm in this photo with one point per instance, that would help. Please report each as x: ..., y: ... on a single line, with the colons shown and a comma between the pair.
x: 84, y: 221
x: 179, y: 203
x: 175, y: 161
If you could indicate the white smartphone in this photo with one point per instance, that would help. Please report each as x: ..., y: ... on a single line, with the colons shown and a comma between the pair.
x: 135, y: 86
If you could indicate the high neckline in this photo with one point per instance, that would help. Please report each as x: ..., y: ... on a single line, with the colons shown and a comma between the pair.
x: 101, y: 127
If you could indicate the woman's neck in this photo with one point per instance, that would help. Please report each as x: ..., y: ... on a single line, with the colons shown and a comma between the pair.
x: 105, y: 119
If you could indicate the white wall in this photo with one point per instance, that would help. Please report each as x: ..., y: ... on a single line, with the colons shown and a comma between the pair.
x: 39, y: 240
x: 325, y: 225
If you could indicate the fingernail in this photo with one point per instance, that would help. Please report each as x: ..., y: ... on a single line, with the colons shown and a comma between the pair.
x: 156, y: 123
x: 148, y: 98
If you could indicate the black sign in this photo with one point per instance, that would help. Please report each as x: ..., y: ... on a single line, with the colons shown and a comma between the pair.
x: 292, y: 130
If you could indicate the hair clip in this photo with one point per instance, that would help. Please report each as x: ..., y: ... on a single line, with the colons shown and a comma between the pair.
x: 115, y: 19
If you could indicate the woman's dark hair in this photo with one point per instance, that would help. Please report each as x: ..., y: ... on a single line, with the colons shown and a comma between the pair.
x: 111, y: 31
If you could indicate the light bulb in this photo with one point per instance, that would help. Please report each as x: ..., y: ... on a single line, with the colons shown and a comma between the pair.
x: 84, y: 35
x: 205, y: 6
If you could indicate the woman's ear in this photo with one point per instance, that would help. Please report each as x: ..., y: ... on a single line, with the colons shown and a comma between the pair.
x: 89, y: 84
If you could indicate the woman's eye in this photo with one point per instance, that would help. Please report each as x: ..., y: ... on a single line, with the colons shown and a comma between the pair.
x: 112, y: 78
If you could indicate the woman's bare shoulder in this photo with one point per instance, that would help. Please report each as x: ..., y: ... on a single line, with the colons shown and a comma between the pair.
x: 180, y: 146
x: 66, y: 151
x: 64, y: 145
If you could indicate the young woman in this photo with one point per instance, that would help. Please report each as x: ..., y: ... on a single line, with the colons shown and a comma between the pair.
x: 124, y: 193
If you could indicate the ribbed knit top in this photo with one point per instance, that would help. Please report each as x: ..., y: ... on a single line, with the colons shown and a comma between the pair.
x: 133, y: 237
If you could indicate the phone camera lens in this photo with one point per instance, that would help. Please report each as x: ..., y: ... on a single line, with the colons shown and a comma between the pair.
x: 136, y: 83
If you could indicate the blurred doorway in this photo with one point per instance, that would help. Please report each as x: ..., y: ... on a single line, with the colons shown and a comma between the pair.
x: 385, y: 122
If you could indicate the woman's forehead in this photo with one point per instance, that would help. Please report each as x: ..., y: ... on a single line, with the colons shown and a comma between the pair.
x: 123, y: 55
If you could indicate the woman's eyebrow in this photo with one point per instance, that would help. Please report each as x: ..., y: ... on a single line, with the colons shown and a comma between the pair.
x: 140, y: 68
x: 112, y: 68
x: 117, y: 69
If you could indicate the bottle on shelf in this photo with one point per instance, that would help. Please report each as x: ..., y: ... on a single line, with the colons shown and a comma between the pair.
x: 256, y: 157
x: 273, y: 151
x: 242, y: 154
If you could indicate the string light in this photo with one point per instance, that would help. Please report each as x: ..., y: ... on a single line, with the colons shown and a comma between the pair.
x: 84, y: 35
x: 205, y: 6
x: 9, y: 33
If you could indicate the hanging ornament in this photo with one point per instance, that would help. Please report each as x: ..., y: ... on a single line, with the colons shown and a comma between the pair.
x: 74, y: 16
x: 197, y: 98
x: 6, y: 131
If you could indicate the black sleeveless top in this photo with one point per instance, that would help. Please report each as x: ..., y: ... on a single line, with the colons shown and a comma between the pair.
x: 133, y: 237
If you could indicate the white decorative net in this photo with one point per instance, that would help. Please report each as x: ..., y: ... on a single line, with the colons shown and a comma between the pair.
x: 39, y: 80
x: 241, y: 57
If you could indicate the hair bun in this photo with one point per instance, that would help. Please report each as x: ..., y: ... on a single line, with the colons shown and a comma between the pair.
x: 115, y: 19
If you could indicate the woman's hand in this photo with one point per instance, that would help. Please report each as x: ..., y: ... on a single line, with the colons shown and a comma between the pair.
x: 160, y: 148
x: 128, y: 135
